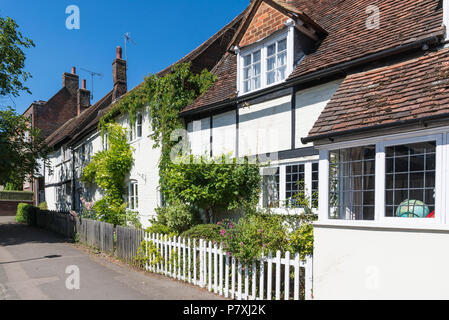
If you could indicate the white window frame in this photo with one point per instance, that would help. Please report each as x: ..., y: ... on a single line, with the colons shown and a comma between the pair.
x: 132, y: 136
x: 134, y: 200
x: 263, y: 45
x: 282, y: 185
x: 380, y: 183
x: 105, y: 141
x: 439, y: 135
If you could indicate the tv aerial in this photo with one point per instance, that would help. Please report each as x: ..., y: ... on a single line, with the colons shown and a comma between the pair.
x: 92, y: 75
x: 127, y: 37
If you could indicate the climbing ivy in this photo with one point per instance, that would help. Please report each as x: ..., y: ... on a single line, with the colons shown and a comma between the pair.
x: 164, y: 97
x: 108, y: 170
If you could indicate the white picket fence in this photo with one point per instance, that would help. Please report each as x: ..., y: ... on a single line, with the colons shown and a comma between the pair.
x: 207, y: 265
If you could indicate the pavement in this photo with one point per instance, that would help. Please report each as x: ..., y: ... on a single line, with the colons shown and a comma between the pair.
x: 38, y: 265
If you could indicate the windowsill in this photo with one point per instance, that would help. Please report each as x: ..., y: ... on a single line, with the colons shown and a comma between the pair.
x: 135, y: 140
x: 243, y: 94
x: 385, y: 225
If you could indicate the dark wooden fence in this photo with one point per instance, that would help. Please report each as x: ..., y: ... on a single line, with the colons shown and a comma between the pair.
x: 17, y: 195
x: 128, y: 242
x: 61, y: 223
x: 96, y: 234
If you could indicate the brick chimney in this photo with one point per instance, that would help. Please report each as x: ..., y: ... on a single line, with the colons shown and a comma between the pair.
x: 119, y: 75
x: 83, y: 98
x: 71, y: 81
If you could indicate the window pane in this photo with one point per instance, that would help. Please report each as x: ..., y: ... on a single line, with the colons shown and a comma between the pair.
x: 271, y: 63
x: 282, y: 73
x: 256, y: 56
x: 256, y: 69
x: 352, y: 183
x: 295, y: 189
x: 271, y: 50
x: 282, y: 59
x: 271, y: 187
x: 247, y: 60
x: 282, y: 45
x: 271, y: 77
x: 137, y: 197
x: 410, y: 186
x: 246, y: 73
x: 256, y: 82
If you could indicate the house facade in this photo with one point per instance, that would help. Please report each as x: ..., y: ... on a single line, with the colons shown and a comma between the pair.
x: 345, y: 101
x: 351, y: 99
x: 48, y: 116
x: 75, y: 142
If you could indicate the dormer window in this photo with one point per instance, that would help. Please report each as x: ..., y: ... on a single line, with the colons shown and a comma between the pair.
x: 266, y: 63
x: 251, y: 71
x: 276, y: 61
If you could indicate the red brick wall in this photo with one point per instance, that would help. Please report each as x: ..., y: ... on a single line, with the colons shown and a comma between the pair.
x: 9, y: 208
x: 265, y: 21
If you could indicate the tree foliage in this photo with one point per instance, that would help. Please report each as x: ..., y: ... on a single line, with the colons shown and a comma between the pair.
x: 12, y: 58
x: 213, y: 184
x: 20, y: 148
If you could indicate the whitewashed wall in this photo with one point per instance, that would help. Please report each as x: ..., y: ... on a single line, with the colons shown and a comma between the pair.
x: 144, y: 171
x: 265, y: 127
x: 199, y: 136
x: 356, y: 263
x: 224, y: 133
x: 309, y: 105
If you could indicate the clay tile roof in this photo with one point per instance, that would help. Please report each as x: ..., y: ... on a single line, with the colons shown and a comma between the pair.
x: 401, y: 22
x: 74, y: 125
x: 222, y: 89
x: 404, y: 91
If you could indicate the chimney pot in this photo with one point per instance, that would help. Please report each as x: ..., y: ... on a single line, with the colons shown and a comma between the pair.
x: 73, y: 70
x: 119, y: 75
x: 83, y: 84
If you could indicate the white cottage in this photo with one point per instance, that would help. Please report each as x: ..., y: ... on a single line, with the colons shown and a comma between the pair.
x: 365, y: 86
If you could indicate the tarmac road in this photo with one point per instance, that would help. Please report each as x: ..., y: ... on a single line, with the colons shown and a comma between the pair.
x: 33, y: 265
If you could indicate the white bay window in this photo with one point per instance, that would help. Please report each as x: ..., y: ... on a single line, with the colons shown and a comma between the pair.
x: 398, y: 180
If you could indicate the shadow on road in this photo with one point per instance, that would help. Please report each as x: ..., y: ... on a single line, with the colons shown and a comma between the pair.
x: 12, y: 233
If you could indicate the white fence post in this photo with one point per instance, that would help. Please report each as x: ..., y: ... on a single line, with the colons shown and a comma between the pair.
x: 201, y: 264
x: 296, y: 288
x: 226, y: 292
x: 278, y: 275
x: 287, y: 276
x: 220, y: 278
x: 215, y: 268
x: 179, y: 258
x: 269, y: 275
x: 309, y: 279
x: 209, y: 287
x: 261, y: 277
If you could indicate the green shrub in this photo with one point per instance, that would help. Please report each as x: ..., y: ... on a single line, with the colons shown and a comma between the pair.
x: 301, y: 240
x: 178, y: 217
x: 158, y: 228
x: 254, y: 234
x: 43, y: 206
x: 26, y: 213
x: 210, y: 232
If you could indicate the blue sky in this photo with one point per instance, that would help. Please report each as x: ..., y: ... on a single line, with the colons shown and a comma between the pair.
x: 164, y: 31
